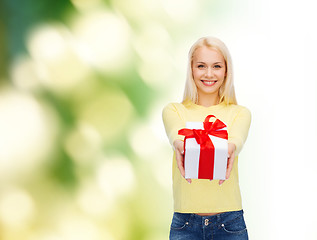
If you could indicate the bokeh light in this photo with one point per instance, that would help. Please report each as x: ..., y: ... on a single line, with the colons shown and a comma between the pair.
x: 83, y: 144
x: 26, y: 74
x: 103, y: 39
x: 28, y: 131
x: 52, y: 48
x: 93, y: 201
x: 16, y: 208
x: 115, y: 167
x: 108, y: 112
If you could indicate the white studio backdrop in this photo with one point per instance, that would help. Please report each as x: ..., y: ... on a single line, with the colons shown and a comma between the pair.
x: 274, y: 55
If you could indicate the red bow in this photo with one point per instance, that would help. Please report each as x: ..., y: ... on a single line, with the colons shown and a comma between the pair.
x: 210, y: 128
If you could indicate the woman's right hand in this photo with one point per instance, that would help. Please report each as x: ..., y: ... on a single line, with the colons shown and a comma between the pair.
x: 179, y: 152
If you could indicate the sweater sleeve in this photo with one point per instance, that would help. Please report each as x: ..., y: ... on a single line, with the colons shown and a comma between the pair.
x: 239, y: 129
x: 172, y: 122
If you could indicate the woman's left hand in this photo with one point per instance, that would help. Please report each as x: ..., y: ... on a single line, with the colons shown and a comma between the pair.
x: 231, y: 150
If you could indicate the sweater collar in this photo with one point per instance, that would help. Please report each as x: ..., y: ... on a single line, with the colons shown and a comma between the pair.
x: 189, y: 104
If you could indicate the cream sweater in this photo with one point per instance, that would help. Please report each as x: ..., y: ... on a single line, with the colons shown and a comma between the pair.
x: 202, y: 195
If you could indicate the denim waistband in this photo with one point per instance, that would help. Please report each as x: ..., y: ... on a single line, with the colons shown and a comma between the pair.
x: 224, y: 217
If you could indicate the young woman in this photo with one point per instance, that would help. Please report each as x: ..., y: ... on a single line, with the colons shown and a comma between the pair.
x: 205, y: 209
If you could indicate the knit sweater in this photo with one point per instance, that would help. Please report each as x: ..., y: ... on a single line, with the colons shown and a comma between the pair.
x: 203, y: 195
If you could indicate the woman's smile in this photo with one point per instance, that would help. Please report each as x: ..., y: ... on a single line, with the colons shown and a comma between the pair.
x: 209, y: 83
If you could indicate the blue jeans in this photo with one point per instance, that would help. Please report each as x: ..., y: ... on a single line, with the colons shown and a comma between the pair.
x: 223, y: 226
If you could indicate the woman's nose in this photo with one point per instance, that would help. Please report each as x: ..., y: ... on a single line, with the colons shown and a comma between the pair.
x: 209, y: 72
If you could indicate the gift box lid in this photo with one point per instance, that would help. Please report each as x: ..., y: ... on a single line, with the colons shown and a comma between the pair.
x: 195, y: 125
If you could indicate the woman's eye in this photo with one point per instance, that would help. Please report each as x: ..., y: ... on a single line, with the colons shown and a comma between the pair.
x: 217, y: 66
x: 200, y: 66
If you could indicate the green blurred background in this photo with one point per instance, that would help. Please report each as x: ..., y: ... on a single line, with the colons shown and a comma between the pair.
x: 83, y: 152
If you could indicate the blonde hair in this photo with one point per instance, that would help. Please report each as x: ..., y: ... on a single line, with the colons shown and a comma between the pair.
x: 226, y: 91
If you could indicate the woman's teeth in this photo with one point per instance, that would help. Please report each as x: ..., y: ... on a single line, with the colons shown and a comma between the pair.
x: 208, y: 83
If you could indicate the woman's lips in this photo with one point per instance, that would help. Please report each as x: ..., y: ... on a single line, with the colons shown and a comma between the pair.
x: 209, y: 82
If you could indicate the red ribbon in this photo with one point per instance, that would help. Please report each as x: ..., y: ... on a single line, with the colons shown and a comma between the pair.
x: 207, y: 149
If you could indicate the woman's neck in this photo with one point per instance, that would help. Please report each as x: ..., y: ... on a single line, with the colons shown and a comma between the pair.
x: 208, y: 101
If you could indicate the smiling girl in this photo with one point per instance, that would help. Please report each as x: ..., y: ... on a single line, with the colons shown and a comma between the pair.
x: 206, y: 209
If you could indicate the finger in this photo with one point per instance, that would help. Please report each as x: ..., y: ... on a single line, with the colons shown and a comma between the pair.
x: 181, y: 148
x: 189, y: 180
x: 221, y: 182
x: 230, y: 165
x: 180, y: 163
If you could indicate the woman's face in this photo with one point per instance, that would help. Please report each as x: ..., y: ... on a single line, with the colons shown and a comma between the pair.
x: 209, y: 70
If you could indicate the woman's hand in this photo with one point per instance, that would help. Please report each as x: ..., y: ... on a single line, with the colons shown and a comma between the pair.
x: 231, y: 150
x: 179, y: 152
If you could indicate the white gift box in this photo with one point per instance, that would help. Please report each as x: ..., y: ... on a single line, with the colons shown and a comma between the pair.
x: 193, y: 152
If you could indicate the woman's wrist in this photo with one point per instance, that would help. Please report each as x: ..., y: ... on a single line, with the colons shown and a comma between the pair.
x: 178, y: 143
x: 232, y: 145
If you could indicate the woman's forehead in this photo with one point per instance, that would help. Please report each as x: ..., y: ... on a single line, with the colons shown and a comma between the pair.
x: 206, y: 54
